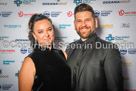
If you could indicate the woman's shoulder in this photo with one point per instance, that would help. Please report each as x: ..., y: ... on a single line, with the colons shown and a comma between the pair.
x: 28, y: 61
x: 27, y: 67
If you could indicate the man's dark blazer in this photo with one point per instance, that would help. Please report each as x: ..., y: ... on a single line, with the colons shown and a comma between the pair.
x: 100, y: 68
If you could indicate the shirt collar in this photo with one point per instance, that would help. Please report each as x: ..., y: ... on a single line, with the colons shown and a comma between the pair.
x: 89, y: 40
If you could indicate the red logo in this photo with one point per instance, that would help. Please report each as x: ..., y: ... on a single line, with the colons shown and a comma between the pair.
x: 20, y: 14
x: 121, y: 12
x: 69, y: 14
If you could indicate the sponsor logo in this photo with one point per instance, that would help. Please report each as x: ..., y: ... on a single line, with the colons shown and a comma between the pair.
x: 3, y: 3
x: 22, y: 14
x: 110, y: 38
x: 132, y: 51
x: 30, y: 50
x: 5, y: 13
x: 12, y: 26
x: 7, y: 62
x: 127, y: 63
x: 64, y: 26
x: 106, y: 12
x: 46, y: 13
x: 4, y: 37
x: 60, y: 37
x: 52, y: 14
x: 23, y: 50
x: 97, y: 13
x: 122, y: 13
x: 18, y: 2
x: 25, y: 2
x: 3, y: 76
x: 123, y: 51
x: 77, y: 2
x: 102, y: 13
x: 125, y: 25
x: 21, y: 40
x: 70, y: 14
x: 107, y: 25
x: 7, y: 51
x: 17, y: 74
x: 54, y: 3
x: 6, y: 86
x: 116, y: 1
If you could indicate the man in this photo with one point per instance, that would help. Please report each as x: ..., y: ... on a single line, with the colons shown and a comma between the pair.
x: 95, y: 63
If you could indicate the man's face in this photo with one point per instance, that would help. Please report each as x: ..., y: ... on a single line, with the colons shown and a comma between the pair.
x: 85, y: 24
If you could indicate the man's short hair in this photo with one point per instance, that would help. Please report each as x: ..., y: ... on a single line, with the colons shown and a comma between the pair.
x: 84, y: 7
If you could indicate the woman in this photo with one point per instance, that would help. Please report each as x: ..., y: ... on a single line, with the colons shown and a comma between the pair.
x: 45, y: 69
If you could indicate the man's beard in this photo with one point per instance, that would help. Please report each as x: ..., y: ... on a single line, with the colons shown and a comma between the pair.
x: 89, y: 33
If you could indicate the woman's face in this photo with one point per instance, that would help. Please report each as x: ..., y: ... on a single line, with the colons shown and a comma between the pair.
x: 43, y: 32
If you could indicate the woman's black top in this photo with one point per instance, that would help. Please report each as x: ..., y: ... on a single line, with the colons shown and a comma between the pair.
x: 52, y: 71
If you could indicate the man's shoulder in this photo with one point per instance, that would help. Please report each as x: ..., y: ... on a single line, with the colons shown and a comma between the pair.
x: 102, y: 41
x: 106, y: 44
x: 74, y: 42
x: 71, y: 46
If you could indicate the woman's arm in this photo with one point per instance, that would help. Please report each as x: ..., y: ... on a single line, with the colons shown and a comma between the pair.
x: 26, y: 75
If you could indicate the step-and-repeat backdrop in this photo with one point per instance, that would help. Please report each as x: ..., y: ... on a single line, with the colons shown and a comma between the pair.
x: 117, y: 24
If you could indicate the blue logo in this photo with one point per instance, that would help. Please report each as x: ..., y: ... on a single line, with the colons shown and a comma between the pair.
x: 132, y: 51
x: 77, y: 2
x: 110, y: 38
x: 6, y: 86
x: 4, y: 37
x: 7, y: 62
x: 60, y: 37
x: 63, y: 26
x: 30, y: 50
x: 105, y: 12
x: 82, y: 1
x: 110, y: 2
x: 18, y: 2
x: 12, y: 26
x: 97, y: 13
x: 5, y: 13
x: 26, y: 2
x: 123, y: 51
x: 46, y: 13
x: 23, y: 50
x: 17, y: 74
x: 52, y: 14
